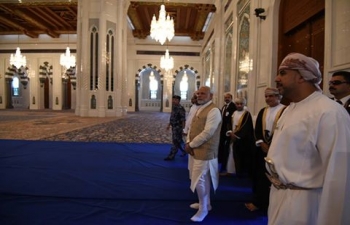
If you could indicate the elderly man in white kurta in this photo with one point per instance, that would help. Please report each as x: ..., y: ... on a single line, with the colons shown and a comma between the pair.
x: 191, y: 113
x: 309, y: 157
x: 202, y: 144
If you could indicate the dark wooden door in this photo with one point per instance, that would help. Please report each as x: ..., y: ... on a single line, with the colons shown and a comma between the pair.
x: 69, y: 94
x: 47, y: 93
x: 301, y: 29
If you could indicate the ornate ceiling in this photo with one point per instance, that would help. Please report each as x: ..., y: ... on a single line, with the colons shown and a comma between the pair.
x: 189, y: 18
x: 60, y: 17
x: 33, y: 19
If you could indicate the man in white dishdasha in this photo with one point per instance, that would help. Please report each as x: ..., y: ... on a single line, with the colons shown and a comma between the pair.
x: 308, y: 159
x: 202, y: 143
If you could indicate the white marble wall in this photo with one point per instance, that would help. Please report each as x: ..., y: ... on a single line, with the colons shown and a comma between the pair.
x: 34, y: 60
x: 337, y: 33
x: 263, y: 52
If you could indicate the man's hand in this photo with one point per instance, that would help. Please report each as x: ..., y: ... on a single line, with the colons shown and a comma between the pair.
x: 264, y: 147
x: 168, y: 127
x: 233, y: 137
x: 188, y: 149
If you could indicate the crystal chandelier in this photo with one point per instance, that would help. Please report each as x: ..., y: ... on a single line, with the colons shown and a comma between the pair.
x: 18, y: 60
x: 163, y: 28
x: 153, y: 85
x: 67, y: 60
x: 184, y: 86
x: 166, y: 61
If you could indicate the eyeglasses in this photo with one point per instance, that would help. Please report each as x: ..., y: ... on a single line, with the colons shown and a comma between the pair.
x: 337, y: 82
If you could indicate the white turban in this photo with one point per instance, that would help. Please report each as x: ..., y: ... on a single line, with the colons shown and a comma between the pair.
x: 307, y: 67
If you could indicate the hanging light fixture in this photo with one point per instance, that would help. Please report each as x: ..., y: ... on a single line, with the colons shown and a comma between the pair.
x: 67, y: 60
x: 18, y: 60
x: 153, y: 85
x: 184, y: 85
x: 166, y: 61
x: 163, y: 28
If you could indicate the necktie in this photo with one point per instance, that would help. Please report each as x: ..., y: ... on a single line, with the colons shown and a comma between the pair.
x: 224, y: 110
x: 339, y: 102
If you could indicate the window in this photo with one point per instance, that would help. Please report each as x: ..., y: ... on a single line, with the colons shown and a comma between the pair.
x: 15, y: 86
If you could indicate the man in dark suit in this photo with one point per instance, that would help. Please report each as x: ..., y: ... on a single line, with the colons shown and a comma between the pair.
x: 226, y: 113
x: 339, y: 87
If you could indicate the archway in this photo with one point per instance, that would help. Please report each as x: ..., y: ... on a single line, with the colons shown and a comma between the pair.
x: 182, y: 75
x: 149, y: 89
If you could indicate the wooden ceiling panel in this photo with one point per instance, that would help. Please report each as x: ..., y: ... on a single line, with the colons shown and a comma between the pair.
x: 55, y: 18
x: 34, y: 18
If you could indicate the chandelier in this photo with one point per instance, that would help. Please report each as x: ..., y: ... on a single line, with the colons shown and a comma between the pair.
x: 18, y: 60
x: 166, y: 61
x: 67, y: 60
x: 153, y: 85
x: 163, y: 28
x: 184, y: 86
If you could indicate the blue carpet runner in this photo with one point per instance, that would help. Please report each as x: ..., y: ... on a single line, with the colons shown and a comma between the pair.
x: 73, y: 183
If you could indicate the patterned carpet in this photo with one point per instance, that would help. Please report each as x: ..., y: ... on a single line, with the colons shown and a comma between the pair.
x: 137, y: 127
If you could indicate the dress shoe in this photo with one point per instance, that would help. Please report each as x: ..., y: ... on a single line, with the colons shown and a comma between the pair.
x: 168, y: 158
x: 196, y: 206
x: 199, y: 216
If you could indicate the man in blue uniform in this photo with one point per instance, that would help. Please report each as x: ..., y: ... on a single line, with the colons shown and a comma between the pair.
x: 177, y: 123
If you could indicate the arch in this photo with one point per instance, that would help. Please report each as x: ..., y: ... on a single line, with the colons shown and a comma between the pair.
x: 193, y: 84
x: 198, y: 77
x: 18, y: 98
x: 46, y: 83
x: 143, y: 99
x: 149, y: 65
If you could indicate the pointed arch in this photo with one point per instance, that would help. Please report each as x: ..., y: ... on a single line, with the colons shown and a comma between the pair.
x: 143, y: 98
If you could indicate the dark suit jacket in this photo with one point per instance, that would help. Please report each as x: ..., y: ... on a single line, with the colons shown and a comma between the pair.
x: 347, y: 106
x: 227, y: 117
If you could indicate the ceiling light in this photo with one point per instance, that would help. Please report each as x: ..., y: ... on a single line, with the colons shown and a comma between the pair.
x: 18, y: 60
x: 67, y: 60
x: 163, y: 28
x: 166, y: 61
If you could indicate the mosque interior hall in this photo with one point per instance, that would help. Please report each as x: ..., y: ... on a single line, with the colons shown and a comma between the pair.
x: 113, y: 57
x: 89, y: 90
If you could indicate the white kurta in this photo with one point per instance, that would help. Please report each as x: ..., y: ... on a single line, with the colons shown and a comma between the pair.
x: 311, y: 149
x: 191, y: 114
x: 201, y: 166
x: 271, y: 113
x: 230, y: 166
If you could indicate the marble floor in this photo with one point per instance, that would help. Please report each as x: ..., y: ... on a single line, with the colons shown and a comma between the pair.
x: 135, y: 127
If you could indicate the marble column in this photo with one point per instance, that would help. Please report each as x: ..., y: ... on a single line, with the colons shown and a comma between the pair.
x: 101, y: 50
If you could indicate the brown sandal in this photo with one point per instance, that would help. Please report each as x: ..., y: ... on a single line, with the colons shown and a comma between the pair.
x: 251, y: 207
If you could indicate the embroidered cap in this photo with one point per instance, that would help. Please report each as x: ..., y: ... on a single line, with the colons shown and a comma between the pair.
x: 307, y: 67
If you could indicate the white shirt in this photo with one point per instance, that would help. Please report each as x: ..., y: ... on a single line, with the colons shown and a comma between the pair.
x: 311, y: 149
x: 189, y: 118
x: 236, y: 116
x: 271, y: 114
